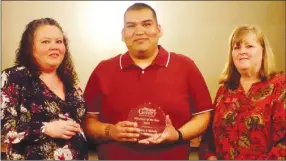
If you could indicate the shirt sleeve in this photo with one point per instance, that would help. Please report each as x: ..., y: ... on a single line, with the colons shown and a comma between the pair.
x: 199, y: 98
x: 16, y: 122
x: 278, y: 146
x: 92, y: 93
x: 207, y: 145
x: 81, y: 104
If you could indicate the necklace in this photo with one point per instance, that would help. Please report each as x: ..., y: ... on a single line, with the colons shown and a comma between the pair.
x: 54, y: 85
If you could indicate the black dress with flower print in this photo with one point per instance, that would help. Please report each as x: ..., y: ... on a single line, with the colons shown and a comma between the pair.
x: 27, y: 103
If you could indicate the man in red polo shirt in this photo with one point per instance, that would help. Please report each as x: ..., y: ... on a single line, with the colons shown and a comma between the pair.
x: 145, y: 73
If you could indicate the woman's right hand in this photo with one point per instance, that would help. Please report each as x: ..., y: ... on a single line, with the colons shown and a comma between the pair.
x: 212, y: 158
x: 124, y: 131
x: 63, y: 129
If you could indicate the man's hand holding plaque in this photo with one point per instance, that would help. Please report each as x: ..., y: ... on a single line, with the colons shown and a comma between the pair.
x: 123, y: 131
x: 155, y: 127
x: 169, y: 135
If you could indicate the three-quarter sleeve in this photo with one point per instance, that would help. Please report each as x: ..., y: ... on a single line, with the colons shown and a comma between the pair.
x: 207, y: 146
x: 16, y: 122
x: 278, y: 128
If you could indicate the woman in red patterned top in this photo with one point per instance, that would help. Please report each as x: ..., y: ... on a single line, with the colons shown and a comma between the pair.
x: 249, y: 116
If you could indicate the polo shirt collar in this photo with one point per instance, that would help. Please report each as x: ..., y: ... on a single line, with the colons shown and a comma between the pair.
x: 162, y: 59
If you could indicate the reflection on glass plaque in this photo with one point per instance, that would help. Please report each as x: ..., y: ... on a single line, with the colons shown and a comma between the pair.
x: 149, y: 117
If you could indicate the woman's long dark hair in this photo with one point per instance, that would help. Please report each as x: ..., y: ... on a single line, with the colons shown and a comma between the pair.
x: 24, y: 54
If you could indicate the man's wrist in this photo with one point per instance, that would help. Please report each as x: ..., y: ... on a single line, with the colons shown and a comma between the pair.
x: 107, y: 131
x: 180, y: 138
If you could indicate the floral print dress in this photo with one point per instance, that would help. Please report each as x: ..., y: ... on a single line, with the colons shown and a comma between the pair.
x: 248, y: 125
x: 26, y: 105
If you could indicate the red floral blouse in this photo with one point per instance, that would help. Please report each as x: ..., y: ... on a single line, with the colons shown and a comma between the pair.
x: 248, y: 126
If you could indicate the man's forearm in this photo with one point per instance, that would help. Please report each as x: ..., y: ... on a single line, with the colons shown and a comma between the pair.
x: 95, y: 129
x: 196, y: 126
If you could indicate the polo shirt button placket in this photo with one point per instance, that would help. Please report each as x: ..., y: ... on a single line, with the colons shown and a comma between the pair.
x: 142, y: 71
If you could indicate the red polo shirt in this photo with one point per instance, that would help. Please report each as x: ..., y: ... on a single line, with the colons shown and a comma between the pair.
x: 172, y: 81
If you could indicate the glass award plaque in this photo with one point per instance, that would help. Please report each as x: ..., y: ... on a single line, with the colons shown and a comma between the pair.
x: 149, y: 117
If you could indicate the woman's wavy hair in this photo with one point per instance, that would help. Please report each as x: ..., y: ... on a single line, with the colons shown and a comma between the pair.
x: 24, y: 53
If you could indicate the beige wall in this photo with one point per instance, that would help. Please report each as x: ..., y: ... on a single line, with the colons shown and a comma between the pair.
x: 199, y: 30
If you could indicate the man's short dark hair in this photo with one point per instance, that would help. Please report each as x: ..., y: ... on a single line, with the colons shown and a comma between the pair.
x: 140, y: 6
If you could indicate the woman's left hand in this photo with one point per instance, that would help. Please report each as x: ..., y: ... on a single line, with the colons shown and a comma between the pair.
x: 169, y: 135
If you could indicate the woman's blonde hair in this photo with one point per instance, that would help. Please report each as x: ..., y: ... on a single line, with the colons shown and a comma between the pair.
x: 230, y: 76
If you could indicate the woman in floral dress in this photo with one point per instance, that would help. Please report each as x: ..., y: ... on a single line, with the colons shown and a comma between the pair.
x: 42, y: 107
x: 249, y: 108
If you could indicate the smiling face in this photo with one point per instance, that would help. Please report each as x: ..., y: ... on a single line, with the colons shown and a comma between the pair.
x: 247, y: 53
x: 48, y: 47
x: 141, y: 32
